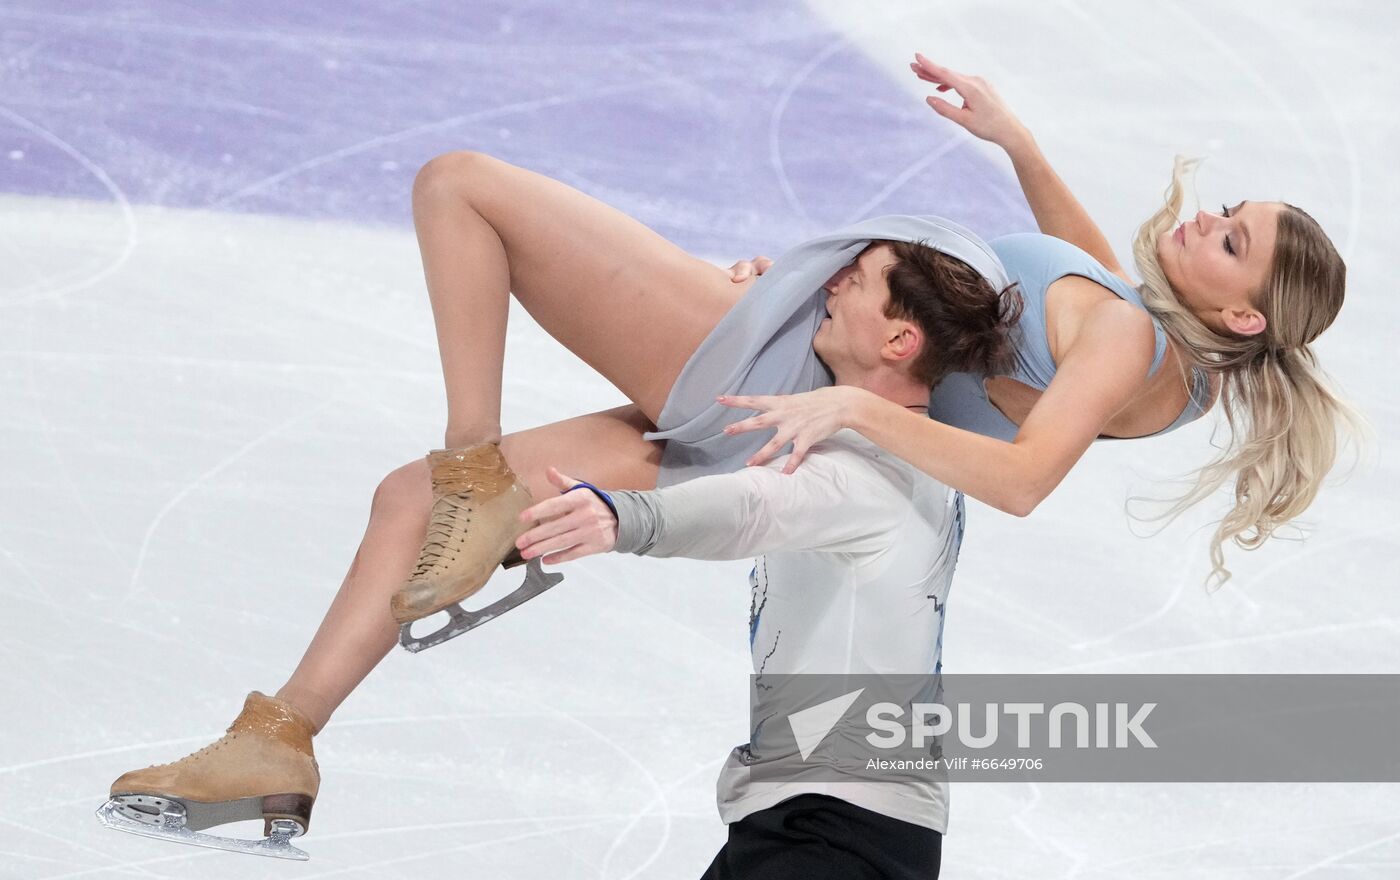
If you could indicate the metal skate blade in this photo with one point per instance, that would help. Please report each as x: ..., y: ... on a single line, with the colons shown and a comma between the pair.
x: 537, y: 580
x: 168, y: 824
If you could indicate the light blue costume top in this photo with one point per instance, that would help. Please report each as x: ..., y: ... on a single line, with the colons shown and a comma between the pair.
x: 763, y: 345
x: 1035, y: 261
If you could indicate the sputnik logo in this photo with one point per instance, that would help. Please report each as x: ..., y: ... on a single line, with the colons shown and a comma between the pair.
x: 811, y: 725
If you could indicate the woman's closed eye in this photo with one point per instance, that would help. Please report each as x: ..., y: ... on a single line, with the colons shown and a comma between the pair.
x: 1228, y: 249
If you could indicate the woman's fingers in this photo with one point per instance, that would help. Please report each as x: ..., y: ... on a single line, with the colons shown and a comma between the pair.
x: 744, y: 426
x: 944, y: 74
x: 769, y: 450
x: 799, y: 454
x: 946, y: 78
x: 751, y: 401
x: 947, y: 110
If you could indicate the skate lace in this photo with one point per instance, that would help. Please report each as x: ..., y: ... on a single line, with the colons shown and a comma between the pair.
x: 438, y: 546
x: 213, y: 746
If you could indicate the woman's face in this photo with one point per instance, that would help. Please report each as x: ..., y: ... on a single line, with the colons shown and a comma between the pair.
x: 1216, y: 262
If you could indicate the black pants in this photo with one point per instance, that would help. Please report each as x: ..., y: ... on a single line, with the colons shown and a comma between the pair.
x: 814, y: 837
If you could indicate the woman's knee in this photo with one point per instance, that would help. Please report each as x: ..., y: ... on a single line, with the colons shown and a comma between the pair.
x: 451, y: 176
x: 406, y: 491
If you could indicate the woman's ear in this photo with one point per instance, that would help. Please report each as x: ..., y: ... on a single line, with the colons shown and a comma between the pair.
x: 1245, y: 322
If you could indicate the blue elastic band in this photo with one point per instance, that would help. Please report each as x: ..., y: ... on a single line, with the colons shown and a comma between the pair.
x: 607, y: 499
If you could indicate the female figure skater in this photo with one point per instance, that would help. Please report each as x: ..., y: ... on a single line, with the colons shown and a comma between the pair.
x: 1227, y: 309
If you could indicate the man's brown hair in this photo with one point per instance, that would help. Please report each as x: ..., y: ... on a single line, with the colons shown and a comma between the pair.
x: 966, y: 321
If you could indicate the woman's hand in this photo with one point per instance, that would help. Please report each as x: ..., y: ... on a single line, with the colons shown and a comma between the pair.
x: 571, y: 526
x: 744, y: 269
x: 982, y: 113
x: 801, y: 419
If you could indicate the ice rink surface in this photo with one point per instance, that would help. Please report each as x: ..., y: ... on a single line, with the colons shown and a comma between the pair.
x: 214, y: 341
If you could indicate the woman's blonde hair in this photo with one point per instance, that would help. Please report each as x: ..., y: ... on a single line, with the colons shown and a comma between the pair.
x: 1282, y: 413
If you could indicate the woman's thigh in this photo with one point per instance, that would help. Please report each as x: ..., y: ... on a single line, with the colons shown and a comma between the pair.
x: 629, y: 303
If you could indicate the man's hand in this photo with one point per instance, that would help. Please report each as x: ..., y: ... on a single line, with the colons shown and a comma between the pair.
x: 571, y: 526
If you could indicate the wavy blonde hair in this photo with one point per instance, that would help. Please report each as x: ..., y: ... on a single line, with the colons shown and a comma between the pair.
x: 1282, y: 413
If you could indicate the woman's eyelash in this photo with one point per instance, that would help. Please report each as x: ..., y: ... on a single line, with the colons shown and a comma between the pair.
x: 1229, y: 250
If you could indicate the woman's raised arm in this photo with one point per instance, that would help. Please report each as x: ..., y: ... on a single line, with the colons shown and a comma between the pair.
x: 1097, y: 376
x: 984, y: 114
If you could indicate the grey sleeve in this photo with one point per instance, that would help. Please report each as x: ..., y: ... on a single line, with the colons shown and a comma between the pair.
x: 653, y: 524
x: 829, y: 503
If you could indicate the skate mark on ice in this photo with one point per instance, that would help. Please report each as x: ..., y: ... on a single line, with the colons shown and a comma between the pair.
x: 116, y: 750
x: 413, y: 131
x: 69, y: 843
x: 416, y: 47
x: 39, y: 595
x: 1287, y: 108
x: 1233, y: 840
x: 1048, y: 842
x: 775, y: 120
x: 1337, y: 857
x: 1366, y: 536
x: 118, y: 196
x: 435, y: 853
x: 658, y: 790
x: 1261, y: 576
x: 235, y: 365
x: 640, y: 600
x: 1173, y: 598
x: 78, y: 496
x: 903, y: 177
x: 1214, y: 644
x: 189, y: 488
x: 658, y: 796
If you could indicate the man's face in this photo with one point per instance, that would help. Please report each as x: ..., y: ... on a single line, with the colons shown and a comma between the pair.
x: 852, y: 341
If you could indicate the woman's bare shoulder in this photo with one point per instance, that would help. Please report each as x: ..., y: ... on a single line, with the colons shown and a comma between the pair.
x: 1073, y: 300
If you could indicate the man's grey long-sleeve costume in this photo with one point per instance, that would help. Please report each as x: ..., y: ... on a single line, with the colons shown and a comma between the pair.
x: 858, y: 554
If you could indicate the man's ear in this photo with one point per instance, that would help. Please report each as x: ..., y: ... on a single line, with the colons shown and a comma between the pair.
x: 1246, y: 322
x: 908, y: 338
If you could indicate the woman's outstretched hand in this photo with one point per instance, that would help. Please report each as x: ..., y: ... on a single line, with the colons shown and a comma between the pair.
x: 745, y: 269
x: 803, y: 420
x: 571, y: 526
x: 982, y: 113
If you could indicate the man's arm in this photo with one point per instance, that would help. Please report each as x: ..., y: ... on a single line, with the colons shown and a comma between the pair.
x: 839, y: 505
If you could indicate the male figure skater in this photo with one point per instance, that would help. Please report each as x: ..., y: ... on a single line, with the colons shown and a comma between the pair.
x: 858, y: 550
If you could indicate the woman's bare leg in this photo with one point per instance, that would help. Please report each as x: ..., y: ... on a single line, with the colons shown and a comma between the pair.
x: 619, y: 296
x: 606, y: 448
x: 629, y: 303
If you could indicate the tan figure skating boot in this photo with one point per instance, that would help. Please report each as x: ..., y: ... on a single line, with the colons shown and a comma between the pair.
x: 477, y: 502
x: 263, y: 767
